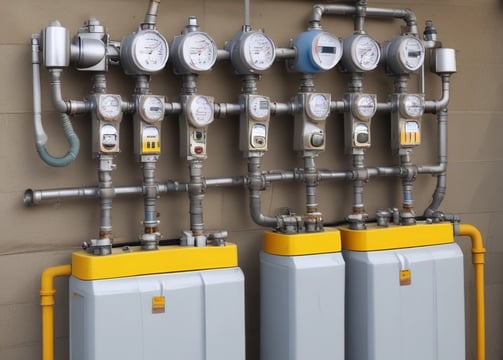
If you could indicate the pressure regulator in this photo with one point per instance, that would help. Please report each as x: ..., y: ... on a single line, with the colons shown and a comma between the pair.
x: 316, y: 51
x: 251, y: 52
x: 144, y: 52
x: 361, y: 53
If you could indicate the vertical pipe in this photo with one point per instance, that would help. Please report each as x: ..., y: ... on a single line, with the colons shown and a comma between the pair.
x: 150, y: 196
x: 47, y: 292
x: 358, y: 164
x: 106, y: 190
x: 247, y: 14
x: 478, y: 260
x: 196, y: 197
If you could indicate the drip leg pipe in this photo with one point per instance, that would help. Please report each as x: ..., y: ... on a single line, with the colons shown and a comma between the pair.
x: 478, y: 260
x: 47, y: 292
x: 151, y: 234
x: 196, y: 197
x: 313, y: 219
x: 103, y: 246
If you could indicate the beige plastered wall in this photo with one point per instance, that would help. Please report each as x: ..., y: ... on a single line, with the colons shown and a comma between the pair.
x: 46, y: 235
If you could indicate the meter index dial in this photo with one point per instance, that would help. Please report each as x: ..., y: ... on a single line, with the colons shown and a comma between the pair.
x: 144, y: 52
x: 259, y: 107
x: 200, y: 110
x: 364, y: 106
x: 109, y: 106
x: 412, y: 105
x: 199, y: 51
x: 366, y: 52
x: 258, y: 51
x: 318, y: 106
x: 152, y: 108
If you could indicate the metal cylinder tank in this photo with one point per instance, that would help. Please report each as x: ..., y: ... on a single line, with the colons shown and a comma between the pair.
x: 175, y: 303
x: 404, y: 293
x: 302, y: 297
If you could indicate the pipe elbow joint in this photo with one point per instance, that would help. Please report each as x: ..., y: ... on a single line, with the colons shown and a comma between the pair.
x: 316, y: 14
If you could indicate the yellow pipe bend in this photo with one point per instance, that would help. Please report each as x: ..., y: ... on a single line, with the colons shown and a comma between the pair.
x: 478, y: 252
x: 47, y: 292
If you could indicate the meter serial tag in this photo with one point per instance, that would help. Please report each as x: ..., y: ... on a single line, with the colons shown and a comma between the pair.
x: 405, y: 277
x: 158, y: 304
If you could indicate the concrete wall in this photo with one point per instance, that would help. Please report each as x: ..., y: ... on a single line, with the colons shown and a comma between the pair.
x: 37, y: 237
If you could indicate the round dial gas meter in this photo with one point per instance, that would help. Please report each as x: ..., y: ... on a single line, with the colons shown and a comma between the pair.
x: 144, y: 52
x: 318, y: 106
x: 259, y: 107
x: 316, y: 51
x: 404, y: 54
x: 251, y: 52
x: 152, y: 108
x: 200, y: 110
x: 360, y: 53
x: 109, y: 106
x: 194, y: 52
x: 412, y: 106
x: 364, y: 106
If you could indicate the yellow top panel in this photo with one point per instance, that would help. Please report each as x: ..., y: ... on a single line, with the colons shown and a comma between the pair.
x: 302, y: 244
x: 396, y: 237
x: 165, y: 260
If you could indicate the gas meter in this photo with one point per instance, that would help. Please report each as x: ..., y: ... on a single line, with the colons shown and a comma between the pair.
x: 403, y: 55
x: 360, y: 53
x: 193, y: 123
x: 362, y: 108
x: 251, y: 52
x: 106, y: 118
x: 316, y: 51
x: 254, y: 123
x: 309, y: 121
x: 193, y: 51
x: 406, y: 121
x: 147, y: 125
x: 144, y: 52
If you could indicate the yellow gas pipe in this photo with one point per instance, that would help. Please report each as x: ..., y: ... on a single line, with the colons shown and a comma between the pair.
x: 478, y: 252
x: 47, y: 292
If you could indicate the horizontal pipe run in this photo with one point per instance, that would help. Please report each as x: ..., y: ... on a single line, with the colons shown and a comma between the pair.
x: 35, y: 197
x: 341, y: 9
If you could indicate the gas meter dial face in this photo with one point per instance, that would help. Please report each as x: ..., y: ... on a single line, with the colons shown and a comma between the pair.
x: 365, y: 53
x: 326, y: 51
x: 412, y: 106
x: 200, y: 111
x: 411, y: 53
x: 150, y: 51
x: 259, y: 108
x: 318, y: 106
x: 258, y: 51
x: 364, y: 106
x: 109, y: 106
x: 152, y: 108
x: 199, y: 51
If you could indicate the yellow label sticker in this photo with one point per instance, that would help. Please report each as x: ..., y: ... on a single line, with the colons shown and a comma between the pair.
x: 158, y: 304
x: 405, y: 277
